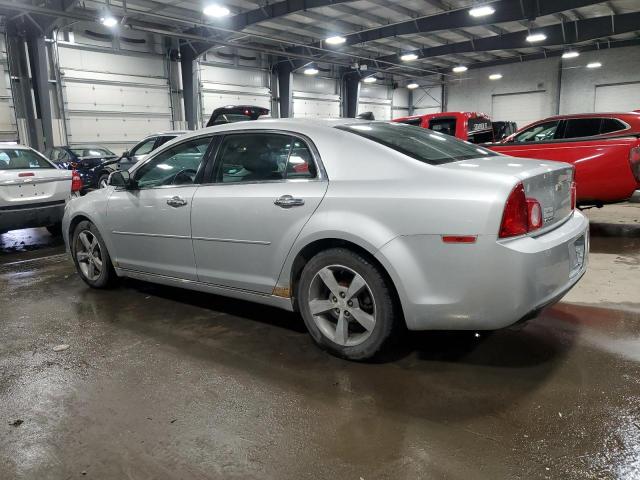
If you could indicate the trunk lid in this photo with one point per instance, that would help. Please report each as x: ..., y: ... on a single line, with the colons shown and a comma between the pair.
x: 546, y: 181
x: 32, y: 186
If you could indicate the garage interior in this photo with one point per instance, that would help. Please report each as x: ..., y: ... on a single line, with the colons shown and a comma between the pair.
x: 159, y: 382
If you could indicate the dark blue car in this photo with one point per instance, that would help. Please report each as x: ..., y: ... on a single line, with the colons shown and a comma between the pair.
x: 93, y: 163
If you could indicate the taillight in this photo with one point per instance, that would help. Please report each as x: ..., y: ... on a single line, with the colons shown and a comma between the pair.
x: 634, y: 162
x: 76, y: 182
x: 521, y: 214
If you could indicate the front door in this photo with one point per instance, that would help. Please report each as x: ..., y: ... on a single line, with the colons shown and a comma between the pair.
x: 151, y: 224
x: 265, y: 187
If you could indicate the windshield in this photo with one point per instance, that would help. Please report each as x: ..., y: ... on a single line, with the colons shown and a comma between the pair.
x: 19, y: 159
x: 419, y: 143
x: 92, y: 152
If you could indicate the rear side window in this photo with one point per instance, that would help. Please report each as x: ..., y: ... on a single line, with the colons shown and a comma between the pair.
x: 18, y: 159
x: 582, y: 127
x: 444, y: 125
x: 611, y: 125
x: 419, y: 143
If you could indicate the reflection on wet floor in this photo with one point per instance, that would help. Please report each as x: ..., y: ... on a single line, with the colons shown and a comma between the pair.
x: 16, y: 244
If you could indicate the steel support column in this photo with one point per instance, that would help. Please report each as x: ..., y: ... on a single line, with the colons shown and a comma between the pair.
x: 189, y: 70
x: 410, y: 102
x: 351, y: 94
x: 40, y: 79
x: 285, y: 92
x: 21, y: 87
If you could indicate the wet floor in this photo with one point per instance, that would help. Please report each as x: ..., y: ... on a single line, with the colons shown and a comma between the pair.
x: 165, y: 383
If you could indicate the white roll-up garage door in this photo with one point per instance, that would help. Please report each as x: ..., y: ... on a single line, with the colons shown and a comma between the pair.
x: 522, y: 108
x: 113, y: 99
x: 315, y: 97
x: 221, y: 86
x: 8, y: 126
x: 375, y: 99
x: 621, y: 97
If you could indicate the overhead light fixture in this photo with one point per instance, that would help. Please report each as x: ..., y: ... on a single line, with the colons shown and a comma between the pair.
x: 460, y: 69
x: 482, y: 11
x: 408, y: 57
x: 495, y: 76
x: 370, y: 79
x: 594, y: 65
x: 536, y: 37
x: 310, y: 71
x: 412, y: 86
x: 571, y: 54
x: 337, y: 40
x: 109, y: 21
x: 216, y: 11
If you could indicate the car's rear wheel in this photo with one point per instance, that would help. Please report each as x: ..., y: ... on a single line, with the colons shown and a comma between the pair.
x: 91, y: 257
x: 347, y: 304
x: 103, y: 181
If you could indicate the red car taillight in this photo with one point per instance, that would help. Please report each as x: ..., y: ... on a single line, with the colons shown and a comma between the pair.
x: 634, y: 162
x: 76, y: 182
x: 521, y: 214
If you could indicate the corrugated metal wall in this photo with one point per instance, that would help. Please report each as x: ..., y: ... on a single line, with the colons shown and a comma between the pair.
x: 8, y: 125
x: 113, y: 98
x: 315, y: 97
x: 376, y: 99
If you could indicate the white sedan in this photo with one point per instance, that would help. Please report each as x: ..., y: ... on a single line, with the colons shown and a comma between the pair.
x: 361, y: 226
x: 33, y: 191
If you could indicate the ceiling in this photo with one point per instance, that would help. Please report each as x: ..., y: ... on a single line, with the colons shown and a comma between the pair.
x: 440, y: 32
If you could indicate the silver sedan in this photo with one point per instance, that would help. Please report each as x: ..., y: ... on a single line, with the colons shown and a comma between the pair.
x: 360, y: 226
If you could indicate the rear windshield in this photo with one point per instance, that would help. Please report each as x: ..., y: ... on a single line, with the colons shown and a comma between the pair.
x: 92, y: 152
x: 19, y: 159
x: 419, y: 143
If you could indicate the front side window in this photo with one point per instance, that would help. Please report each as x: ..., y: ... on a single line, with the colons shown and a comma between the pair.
x: 259, y: 157
x: 418, y: 143
x: 19, y: 159
x: 92, y: 152
x: 538, y: 133
x: 164, y: 139
x: 582, y: 127
x: 176, y: 166
x: 143, y: 148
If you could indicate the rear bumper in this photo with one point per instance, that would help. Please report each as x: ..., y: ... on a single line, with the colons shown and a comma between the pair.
x: 487, y: 285
x: 31, y: 216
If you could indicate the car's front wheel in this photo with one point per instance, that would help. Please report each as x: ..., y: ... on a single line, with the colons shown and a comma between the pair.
x: 347, y: 304
x: 91, y: 257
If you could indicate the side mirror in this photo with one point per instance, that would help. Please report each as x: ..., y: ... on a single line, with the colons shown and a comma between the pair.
x: 121, y: 179
x: 125, y: 154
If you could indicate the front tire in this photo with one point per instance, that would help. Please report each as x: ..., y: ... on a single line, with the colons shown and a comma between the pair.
x: 91, y: 257
x: 347, y: 304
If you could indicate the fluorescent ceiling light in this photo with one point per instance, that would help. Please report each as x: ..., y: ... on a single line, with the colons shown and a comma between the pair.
x: 536, y: 37
x: 370, y: 80
x: 310, y: 71
x: 215, y: 11
x: 495, y: 76
x: 412, y: 86
x: 407, y: 57
x: 460, y: 69
x: 482, y: 11
x: 109, y: 21
x: 571, y: 54
x: 594, y: 65
x: 337, y: 40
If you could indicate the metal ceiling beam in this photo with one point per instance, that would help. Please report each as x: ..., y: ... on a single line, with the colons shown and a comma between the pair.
x: 573, y: 32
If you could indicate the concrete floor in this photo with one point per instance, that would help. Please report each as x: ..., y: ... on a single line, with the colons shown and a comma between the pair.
x: 163, y: 383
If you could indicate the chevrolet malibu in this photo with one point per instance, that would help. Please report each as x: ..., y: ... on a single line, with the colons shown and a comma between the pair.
x: 362, y: 227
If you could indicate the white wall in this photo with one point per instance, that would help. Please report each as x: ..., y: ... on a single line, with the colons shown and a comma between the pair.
x: 375, y: 99
x: 315, y: 97
x: 427, y: 98
x: 400, y: 101
x: 619, y: 65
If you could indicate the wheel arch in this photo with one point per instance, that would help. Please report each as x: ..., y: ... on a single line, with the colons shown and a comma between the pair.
x: 316, y: 246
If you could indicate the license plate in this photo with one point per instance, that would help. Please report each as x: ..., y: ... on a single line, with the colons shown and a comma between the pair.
x: 577, y: 251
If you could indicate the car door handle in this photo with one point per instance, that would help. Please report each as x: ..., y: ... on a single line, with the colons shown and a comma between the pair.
x: 287, y: 201
x: 176, y: 202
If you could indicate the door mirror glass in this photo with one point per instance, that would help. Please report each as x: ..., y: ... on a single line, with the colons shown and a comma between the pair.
x: 121, y: 179
x: 125, y: 154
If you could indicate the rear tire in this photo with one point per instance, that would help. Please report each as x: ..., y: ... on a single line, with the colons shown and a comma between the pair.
x: 347, y: 304
x: 55, y: 229
x: 103, y: 181
x: 91, y: 257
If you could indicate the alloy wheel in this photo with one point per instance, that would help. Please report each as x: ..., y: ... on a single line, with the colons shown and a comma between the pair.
x: 89, y: 255
x: 342, y: 305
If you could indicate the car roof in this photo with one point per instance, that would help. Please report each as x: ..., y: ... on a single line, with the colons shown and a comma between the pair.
x: 635, y: 115
x: 443, y: 114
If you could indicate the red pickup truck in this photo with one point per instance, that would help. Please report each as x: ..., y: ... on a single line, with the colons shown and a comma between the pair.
x: 471, y: 126
x: 603, y: 147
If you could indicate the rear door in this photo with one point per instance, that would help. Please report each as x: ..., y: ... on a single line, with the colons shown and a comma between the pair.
x: 28, y: 178
x: 264, y: 188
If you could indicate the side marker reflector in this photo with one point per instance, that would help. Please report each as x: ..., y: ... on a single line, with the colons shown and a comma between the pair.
x: 459, y: 238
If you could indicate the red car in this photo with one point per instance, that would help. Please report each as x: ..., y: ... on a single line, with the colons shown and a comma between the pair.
x: 471, y: 126
x: 603, y: 147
